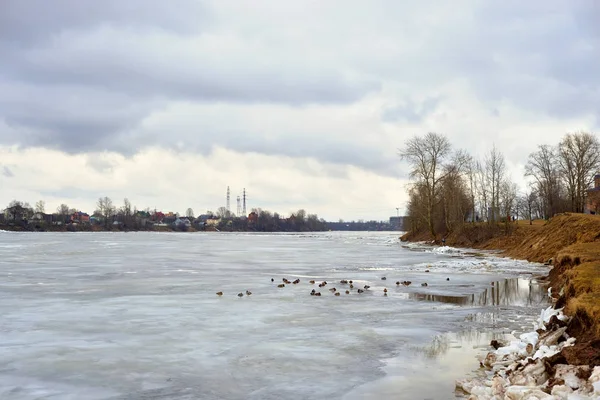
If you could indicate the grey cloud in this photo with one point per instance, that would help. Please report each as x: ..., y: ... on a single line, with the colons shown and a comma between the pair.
x: 72, y: 119
x: 28, y: 21
x: 411, y: 111
x: 84, y: 76
x: 7, y: 172
x: 205, y: 80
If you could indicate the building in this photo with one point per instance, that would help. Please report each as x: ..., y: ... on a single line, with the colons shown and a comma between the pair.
x: 80, y: 217
x: 592, y: 203
x: 398, y: 223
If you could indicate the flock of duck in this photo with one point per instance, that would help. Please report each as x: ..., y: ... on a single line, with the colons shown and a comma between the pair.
x: 333, y: 290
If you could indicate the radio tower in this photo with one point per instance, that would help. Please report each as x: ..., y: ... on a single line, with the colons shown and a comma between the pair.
x: 244, y: 204
x: 238, y: 206
x: 228, y: 197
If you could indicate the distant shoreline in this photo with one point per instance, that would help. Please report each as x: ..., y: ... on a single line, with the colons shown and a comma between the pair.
x: 100, y: 229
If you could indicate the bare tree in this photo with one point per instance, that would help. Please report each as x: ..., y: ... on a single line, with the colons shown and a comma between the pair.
x: 222, y: 212
x: 526, y: 205
x: 481, y: 184
x: 579, y: 159
x: 471, y: 171
x: 508, y: 197
x: 63, y: 209
x: 542, y: 166
x: 426, y: 156
x: 40, y: 207
x: 189, y: 213
x: 127, y: 214
x: 106, y: 209
x: 494, y: 168
x: 18, y: 211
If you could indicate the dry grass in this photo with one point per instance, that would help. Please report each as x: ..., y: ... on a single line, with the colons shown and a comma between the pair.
x: 581, y: 281
x: 564, y: 230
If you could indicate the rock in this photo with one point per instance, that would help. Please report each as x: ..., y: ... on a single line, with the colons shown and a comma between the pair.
x: 498, y: 386
x: 529, y: 348
x: 552, y: 338
x: 496, y: 344
x: 489, y: 360
x: 552, y: 361
x: 526, y: 393
x: 569, y: 374
x: 555, y: 323
x: 561, y: 391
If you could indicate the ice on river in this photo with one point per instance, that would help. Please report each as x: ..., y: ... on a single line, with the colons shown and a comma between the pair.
x: 128, y: 316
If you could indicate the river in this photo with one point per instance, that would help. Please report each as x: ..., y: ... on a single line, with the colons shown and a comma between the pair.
x: 135, y: 315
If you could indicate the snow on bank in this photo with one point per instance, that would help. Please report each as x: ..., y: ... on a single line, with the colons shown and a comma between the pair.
x: 446, y: 250
x: 518, y: 371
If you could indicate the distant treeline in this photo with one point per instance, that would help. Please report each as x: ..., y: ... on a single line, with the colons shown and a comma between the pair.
x: 361, y: 226
x: 107, y: 217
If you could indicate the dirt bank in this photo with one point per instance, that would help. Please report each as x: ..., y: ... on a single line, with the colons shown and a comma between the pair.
x: 570, y: 244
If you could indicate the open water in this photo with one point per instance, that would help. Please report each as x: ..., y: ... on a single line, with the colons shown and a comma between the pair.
x: 135, y: 315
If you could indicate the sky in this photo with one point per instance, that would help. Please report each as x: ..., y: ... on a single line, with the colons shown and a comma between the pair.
x: 304, y: 104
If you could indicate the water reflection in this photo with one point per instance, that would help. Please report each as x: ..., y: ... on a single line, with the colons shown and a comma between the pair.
x: 508, y: 292
x: 470, y: 341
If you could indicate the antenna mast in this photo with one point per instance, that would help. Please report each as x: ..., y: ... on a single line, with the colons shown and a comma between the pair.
x: 228, y: 202
x: 244, y: 202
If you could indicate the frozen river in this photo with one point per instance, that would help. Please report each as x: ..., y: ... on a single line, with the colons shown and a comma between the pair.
x: 135, y: 316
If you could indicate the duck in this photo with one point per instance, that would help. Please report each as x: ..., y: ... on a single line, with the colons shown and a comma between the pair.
x: 240, y: 294
x: 447, y: 279
x: 321, y: 285
x: 360, y: 290
x: 385, y: 290
x: 397, y: 283
x: 272, y: 280
x: 324, y: 283
x: 350, y: 282
x: 318, y: 294
x: 296, y: 281
x: 367, y: 286
x: 406, y: 283
x: 281, y: 285
x: 332, y: 289
x: 337, y: 293
x: 351, y: 286
x: 219, y: 293
x: 383, y: 278
x: 343, y: 281
x: 426, y: 270
x: 248, y: 293
x: 424, y: 284
x: 312, y: 292
x: 347, y: 292
x: 312, y: 282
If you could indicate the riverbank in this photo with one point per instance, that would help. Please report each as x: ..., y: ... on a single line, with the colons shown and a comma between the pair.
x: 570, y: 245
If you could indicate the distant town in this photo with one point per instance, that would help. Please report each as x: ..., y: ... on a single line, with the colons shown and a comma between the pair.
x: 21, y: 216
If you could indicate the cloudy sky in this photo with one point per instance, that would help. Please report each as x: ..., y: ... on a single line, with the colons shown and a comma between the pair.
x: 303, y: 103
